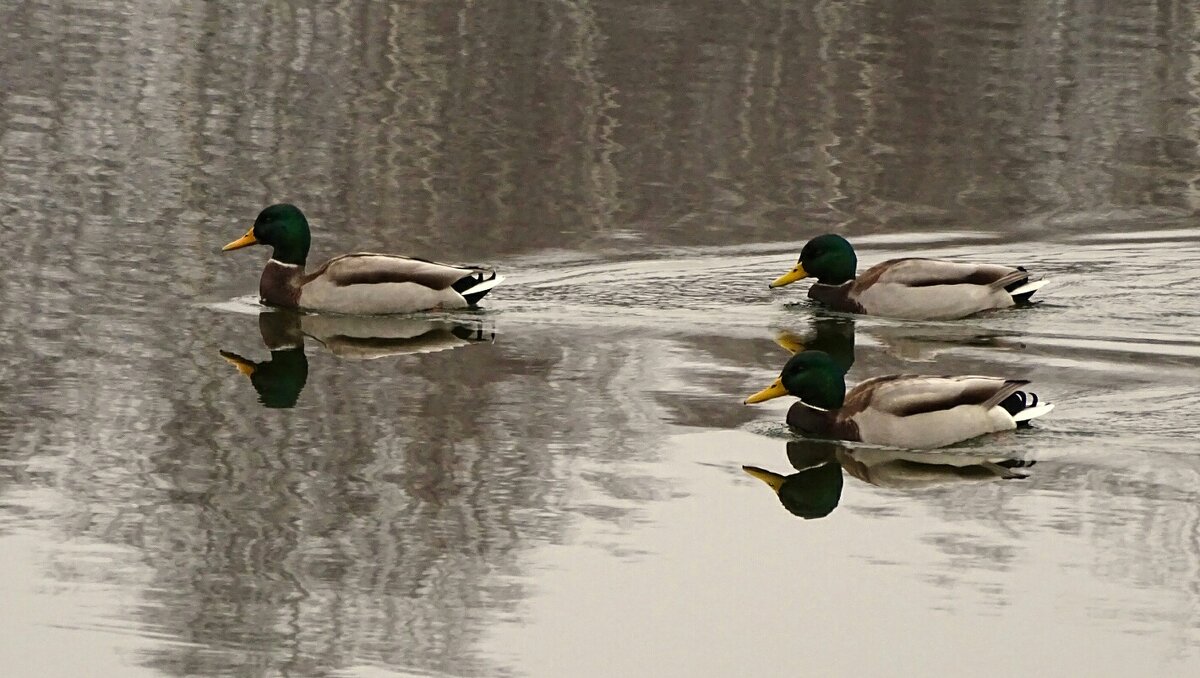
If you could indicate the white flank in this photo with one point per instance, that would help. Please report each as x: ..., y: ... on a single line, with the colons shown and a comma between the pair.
x: 484, y: 286
x: 935, y: 302
x: 1033, y: 412
x: 1029, y: 287
x: 377, y: 298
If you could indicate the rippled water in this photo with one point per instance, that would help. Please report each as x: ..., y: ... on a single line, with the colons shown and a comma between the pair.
x: 553, y: 485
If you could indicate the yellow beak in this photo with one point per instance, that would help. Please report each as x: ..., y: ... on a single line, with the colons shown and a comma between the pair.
x: 244, y: 366
x: 244, y: 241
x: 790, y: 277
x: 774, y: 480
x: 775, y: 390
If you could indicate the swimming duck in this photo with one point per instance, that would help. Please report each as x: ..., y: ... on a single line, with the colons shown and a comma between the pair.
x: 902, y: 410
x: 361, y: 283
x: 915, y: 289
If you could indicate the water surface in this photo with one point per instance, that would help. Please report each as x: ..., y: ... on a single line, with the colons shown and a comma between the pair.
x: 552, y: 485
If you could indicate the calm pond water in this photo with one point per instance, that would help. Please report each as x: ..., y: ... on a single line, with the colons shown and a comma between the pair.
x: 552, y: 485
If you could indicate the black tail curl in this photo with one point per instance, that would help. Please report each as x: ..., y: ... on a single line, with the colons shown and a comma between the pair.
x: 1019, y: 298
x: 1018, y: 401
x: 468, y: 281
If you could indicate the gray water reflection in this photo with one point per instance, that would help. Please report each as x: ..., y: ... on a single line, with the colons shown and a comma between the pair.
x: 624, y: 165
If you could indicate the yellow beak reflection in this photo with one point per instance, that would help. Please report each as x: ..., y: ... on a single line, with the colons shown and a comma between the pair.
x: 789, y: 342
x: 244, y: 241
x: 774, y: 480
x: 244, y: 366
x: 790, y: 277
x: 775, y: 390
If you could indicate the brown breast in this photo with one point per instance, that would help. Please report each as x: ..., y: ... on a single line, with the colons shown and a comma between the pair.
x: 280, y: 284
x: 836, y: 297
x: 822, y: 424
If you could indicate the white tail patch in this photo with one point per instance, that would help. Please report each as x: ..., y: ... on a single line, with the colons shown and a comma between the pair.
x: 1033, y: 412
x: 483, y: 286
x: 1029, y: 288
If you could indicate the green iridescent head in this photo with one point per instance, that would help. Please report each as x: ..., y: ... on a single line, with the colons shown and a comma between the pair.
x: 829, y: 258
x: 283, y: 228
x: 811, y: 376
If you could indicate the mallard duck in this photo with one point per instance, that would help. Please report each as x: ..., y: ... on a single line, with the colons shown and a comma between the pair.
x: 915, y: 289
x: 361, y: 283
x: 902, y: 410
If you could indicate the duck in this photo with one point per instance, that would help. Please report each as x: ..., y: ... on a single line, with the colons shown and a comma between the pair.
x: 362, y: 283
x: 902, y: 410
x: 909, y: 288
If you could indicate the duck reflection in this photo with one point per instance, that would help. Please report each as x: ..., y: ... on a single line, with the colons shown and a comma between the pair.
x: 926, y: 342
x: 816, y: 487
x: 370, y: 337
x: 831, y: 335
x: 280, y: 380
x: 835, y: 335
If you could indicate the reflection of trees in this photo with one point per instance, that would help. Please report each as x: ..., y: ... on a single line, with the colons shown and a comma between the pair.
x: 510, y: 126
x: 517, y: 126
x: 379, y: 521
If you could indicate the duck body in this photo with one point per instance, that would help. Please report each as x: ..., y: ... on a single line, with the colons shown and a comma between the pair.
x: 924, y: 289
x: 909, y: 288
x: 372, y: 284
x: 915, y: 411
x: 906, y: 410
x: 361, y: 283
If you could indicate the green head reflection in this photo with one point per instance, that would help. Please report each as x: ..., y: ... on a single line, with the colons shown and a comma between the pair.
x: 279, y: 380
x: 816, y: 488
x: 811, y: 493
x: 833, y: 336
